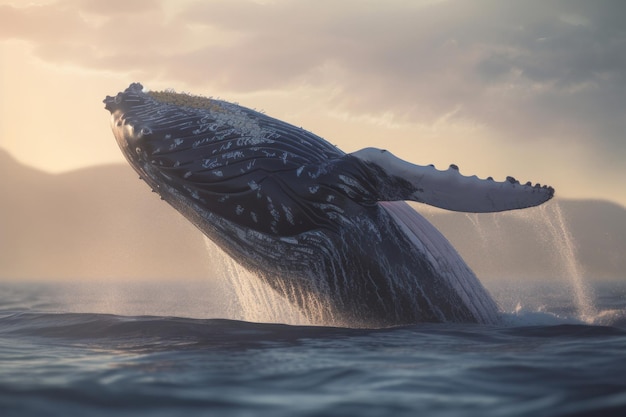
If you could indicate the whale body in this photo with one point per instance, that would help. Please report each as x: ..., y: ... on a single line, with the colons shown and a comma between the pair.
x: 329, y: 231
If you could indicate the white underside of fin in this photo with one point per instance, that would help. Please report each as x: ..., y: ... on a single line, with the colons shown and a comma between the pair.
x: 452, y: 191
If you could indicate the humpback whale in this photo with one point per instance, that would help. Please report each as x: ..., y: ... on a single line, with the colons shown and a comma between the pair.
x: 330, y: 232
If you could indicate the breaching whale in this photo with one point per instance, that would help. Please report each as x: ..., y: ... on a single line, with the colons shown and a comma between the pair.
x: 329, y: 231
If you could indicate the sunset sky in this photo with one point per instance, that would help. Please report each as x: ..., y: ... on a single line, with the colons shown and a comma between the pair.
x: 531, y: 89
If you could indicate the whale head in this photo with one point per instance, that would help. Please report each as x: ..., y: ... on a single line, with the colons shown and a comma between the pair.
x: 156, y: 132
x: 226, y: 162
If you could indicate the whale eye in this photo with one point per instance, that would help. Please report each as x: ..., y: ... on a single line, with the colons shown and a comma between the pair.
x: 145, y: 131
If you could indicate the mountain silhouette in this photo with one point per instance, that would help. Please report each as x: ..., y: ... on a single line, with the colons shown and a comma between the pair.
x: 100, y: 222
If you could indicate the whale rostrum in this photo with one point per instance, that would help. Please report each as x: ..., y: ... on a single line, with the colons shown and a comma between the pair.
x: 329, y: 231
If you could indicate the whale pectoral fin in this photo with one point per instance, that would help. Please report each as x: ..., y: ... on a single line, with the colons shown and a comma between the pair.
x: 396, y: 179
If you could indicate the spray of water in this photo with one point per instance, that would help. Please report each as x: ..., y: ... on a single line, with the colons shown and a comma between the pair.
x: 557, y: 228
x: 485, y: 241
x: 475, y: 220
x: 250, y: 298
x: 549, y: 223
x: 560, y: 264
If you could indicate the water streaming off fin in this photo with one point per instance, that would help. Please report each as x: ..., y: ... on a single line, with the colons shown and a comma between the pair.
x: 551, y: 225
x: 564, y: 243
x: 555, y: 251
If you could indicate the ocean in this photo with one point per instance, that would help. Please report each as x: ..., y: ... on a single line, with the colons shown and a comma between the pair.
x: 171, y: 349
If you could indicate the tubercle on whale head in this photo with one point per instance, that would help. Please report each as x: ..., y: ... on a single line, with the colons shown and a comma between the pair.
x: 169, y: 97
x: 131, y: 136
x: 156, y: 132
x: 185, y: 100
x: 133, y: 131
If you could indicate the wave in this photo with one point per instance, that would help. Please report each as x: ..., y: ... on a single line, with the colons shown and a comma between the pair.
x: 153, y: 333
x: 88, y: 364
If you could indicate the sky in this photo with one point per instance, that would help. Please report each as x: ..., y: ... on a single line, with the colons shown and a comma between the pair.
x: 531, y: 89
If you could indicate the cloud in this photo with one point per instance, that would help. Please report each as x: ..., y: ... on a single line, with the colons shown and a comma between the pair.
x: 119, y: 7
x: 533, y: 71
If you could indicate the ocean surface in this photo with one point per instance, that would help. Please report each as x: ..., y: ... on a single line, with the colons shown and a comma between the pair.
x: 142, y: 349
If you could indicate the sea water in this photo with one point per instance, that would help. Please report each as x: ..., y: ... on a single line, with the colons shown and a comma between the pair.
x: 175, y: 349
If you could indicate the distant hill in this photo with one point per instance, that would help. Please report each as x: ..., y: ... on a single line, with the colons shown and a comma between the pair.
x: 103, y: 222
x: 99, y: 222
